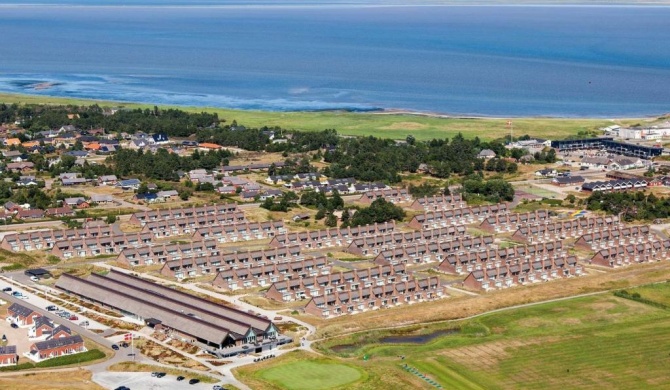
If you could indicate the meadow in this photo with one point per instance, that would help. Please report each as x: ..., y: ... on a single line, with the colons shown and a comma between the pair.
x: 385, y: 125
x: 594, y: 342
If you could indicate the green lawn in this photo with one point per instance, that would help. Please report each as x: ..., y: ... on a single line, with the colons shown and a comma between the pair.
x: 396, y: 126
x: 311, y: 375
x: 586, y: 343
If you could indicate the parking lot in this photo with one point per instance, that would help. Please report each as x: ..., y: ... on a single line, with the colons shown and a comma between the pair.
x: 144, y: 381
x: 18, y: 337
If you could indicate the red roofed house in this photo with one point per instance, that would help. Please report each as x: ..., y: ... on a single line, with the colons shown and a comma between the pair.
x: 56, y: 347
x: 8, y: 356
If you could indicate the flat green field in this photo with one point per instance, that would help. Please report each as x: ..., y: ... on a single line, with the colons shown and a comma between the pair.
x: 385, y: 125
x: 594, y: 342
x: 311, y: 375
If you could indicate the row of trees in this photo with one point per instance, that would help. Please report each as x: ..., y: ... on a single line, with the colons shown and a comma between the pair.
x: 164, y: 165
x: 630, y: 205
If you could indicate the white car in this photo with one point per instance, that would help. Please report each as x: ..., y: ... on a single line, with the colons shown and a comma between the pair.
x: 34, y: 279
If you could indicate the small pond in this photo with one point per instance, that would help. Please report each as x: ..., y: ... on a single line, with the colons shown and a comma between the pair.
x: 417, y: 339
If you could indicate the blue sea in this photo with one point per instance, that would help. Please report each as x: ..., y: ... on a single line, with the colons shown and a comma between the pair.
x: 489, y: 60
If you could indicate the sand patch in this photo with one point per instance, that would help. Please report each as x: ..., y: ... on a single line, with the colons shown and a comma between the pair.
x: 405, y: 126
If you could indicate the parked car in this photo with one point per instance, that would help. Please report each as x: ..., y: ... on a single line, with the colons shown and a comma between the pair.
x: 193, y: 381
x: 73, y: 318
x: 122, y: 388
x: 84, y: 323
x: 115, y: 347
x: 155, y: 373
x: 180, y: 378
x: 17, y: 294
x: 14, y: 325
x: 217, y: 387
x: 160, y: 374
x: 7, y: 289
x: 52, y: 308
x: 34, y: 279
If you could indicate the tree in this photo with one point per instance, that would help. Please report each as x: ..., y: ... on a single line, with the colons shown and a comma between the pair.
x: 378, y: 212
x: 110, y: 219
x: 320, y: 214
x: 331, y: 220
x: 571, y: 199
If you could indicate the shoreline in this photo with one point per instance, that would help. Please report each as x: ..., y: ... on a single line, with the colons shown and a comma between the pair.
x: 13, y: 97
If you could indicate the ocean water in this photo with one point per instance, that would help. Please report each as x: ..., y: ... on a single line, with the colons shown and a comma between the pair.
x: 569, y: 61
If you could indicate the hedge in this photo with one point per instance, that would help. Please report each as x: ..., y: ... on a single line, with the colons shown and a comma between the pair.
x: 87, y: 356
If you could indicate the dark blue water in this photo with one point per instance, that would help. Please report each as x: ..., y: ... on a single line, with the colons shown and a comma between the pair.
x: 484, y: 60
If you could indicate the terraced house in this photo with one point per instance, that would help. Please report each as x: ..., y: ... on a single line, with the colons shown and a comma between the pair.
x: 375, y: 297
x: 393, y: 195
x: 521, y: 272
x: 438, y: 203
x: 240, y: 231
x: 558, y: 230
x: 40, y: 240
x: 264, y: 275
x: 335, y: 237
x: 43, y: 350
x: 373, y: 245
x: 502, y: 223
x: 87, y: 247
x: 188, y: 225
x: 158, y: 254
x: 461, y: 262
x: 461, y: 216
x: 144, y: 217
x: 624, y: 255
x: 430, y: 252
x: 614, y: 236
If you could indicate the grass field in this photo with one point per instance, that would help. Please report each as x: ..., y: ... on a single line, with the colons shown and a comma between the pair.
x: 396, y: 126
x: 311, y: 375
x: 538, y: 191
x: 584, y: 343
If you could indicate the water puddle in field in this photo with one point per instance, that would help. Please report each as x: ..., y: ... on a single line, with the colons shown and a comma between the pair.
x: 417, y: 339
x: 408, y: 339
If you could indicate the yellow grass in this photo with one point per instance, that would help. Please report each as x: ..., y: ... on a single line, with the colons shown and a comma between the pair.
x: 76, y: 379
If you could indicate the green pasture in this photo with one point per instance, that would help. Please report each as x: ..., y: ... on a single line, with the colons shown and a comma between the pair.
x: 586, y: 343
x: 396, y: 126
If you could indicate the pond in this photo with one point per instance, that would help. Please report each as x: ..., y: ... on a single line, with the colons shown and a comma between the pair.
x: 406, y: 339
x: 417, y: 339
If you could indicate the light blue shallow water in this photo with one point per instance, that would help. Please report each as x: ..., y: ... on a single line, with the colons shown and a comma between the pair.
x: 488, y: 60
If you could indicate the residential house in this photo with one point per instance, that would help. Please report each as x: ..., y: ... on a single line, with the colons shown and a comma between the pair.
x: 59, y: 212
x: 30, y: 214
x: 566, y: 181
x: 42, y: 327
x: 129, y: 184
x: 102, y: 199
x: 77, y: 203
x: 20, y: 166
x: 486, y: 153
x: 56, y: 347
x: 8, y: 356
x: 107, y: 180
x: 22, y: 315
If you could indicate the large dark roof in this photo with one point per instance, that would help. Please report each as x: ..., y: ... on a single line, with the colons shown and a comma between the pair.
x: 8, y: 349
x: 21, y: 310
x: 59, y: 342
